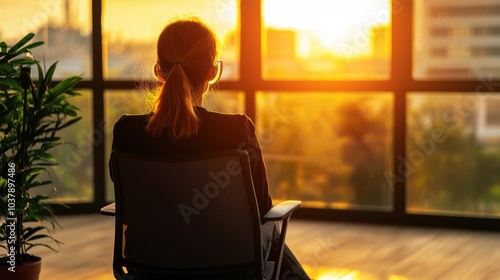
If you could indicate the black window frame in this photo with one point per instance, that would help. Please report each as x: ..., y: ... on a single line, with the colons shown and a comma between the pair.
x: 400, y: 83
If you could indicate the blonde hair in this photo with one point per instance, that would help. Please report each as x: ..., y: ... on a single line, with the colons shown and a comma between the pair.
x: 187, y: 49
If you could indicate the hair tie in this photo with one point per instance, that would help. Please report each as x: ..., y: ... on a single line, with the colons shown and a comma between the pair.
x: 177, y: 62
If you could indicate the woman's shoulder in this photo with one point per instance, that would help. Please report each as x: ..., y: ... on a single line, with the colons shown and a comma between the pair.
x: 204, y: 113
x: 131, y: 119
x: 134, y: 117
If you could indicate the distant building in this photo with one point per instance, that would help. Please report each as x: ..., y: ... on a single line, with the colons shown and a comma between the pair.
x: 457, y: 39
x: 460, y: 39
x: 280, y: 53
x: 488, y: 121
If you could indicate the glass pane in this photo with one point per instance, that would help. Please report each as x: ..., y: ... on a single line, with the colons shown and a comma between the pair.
x: 119, y: 102
x: 324, y: 39
x: 116, y: 104
x: 453, y: 154
x: 232, y: 102
x: 74, y: 178
x: 330, y: 150
x: 131, y: 48
x: 64, y: 26
x: 456, y: 39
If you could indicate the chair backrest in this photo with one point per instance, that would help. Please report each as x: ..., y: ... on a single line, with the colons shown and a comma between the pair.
x: 185, y: 214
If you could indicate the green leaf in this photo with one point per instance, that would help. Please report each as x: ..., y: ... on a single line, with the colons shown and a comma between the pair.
x: 48, y: 139
x: 27, y: 48
x: 18, y: 48
x: 35, y: 171
x: 48, y: 145
x: 70, y: 123
x: 11, y: 83
x: 7, y: 69
x: 56, y: 98
x: 42, y: 183
x: 50, y: 73
x: 45, y: 156
x: 73, y: 93
x: 41, y: 88
x: 21, y: 43
x: 39, y: 236
x: 42, y: 129
x: 23, y: 61
x: 30, y: 246
x: 29, y: 231
x: 66, y: 85
x: 70, y: 112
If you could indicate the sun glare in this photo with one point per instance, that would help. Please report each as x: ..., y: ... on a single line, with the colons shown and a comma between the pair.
x: 334, y: 25
x: 337, y: 273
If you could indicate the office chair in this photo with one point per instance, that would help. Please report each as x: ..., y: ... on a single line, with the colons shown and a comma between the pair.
x: 191, y: 217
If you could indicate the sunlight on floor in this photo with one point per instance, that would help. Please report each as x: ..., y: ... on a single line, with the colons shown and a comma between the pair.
x: 105, y: 276
x: 333, y: 273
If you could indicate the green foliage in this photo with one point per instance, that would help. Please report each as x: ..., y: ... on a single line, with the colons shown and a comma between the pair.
x: 458, y: 173
x: 25, y: 149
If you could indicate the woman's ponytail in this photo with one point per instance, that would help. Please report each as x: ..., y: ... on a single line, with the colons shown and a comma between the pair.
x: 174, y: 108
x: 187, y: 50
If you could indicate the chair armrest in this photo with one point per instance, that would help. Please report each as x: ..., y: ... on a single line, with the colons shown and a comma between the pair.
x: 282, y: 210
x: 108, y: 210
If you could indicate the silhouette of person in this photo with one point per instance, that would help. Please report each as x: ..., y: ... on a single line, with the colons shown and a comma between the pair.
x: 187, y: 65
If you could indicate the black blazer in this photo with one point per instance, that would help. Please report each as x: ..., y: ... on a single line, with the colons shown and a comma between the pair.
x: 217, y: 132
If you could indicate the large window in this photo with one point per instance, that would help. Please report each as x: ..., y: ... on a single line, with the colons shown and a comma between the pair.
x: 456, y: 39
x: 325, y: 40
x: 453, y: 153
x: 373, y: 110
x: 330, y: 153
x: 453, y: 137
x: 131, y: 29
x: 65, y: 27
x: 328, y: 148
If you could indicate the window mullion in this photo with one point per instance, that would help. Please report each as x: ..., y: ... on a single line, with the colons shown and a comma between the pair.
x: 98, y: 101
x: 401, y: 78
x: 250, y: 53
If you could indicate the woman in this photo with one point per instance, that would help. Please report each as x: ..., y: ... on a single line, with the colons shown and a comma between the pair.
x: 187, y: 65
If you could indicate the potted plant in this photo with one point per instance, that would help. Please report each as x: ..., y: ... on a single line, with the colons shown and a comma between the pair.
x: 31, y: 115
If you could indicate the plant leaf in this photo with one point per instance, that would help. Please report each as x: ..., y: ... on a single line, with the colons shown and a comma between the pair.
x: 50, y: 73
x: 70, y: 122
x: 66, y: 85
x: 22, y: 61
x: 27, y: 48
x: 22, y: 42
x: 11, y: 83
x: 29, y: 231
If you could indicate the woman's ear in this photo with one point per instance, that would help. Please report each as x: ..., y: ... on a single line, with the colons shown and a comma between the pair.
x: 158, y: 72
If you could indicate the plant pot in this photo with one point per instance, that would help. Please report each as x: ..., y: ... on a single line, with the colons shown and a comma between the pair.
x: 26, y: 271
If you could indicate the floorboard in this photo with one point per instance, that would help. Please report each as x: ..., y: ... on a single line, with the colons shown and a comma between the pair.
x: 328, y: 250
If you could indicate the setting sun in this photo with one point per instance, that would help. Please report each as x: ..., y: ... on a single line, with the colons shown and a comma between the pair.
x: 339, y: 27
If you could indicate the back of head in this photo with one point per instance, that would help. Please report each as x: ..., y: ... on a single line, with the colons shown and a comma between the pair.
x: 187, y: 51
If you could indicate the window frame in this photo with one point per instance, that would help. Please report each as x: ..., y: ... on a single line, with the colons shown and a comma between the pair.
x: 400, y: 83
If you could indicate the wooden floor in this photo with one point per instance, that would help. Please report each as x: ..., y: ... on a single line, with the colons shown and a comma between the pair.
x: 327, y: 250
